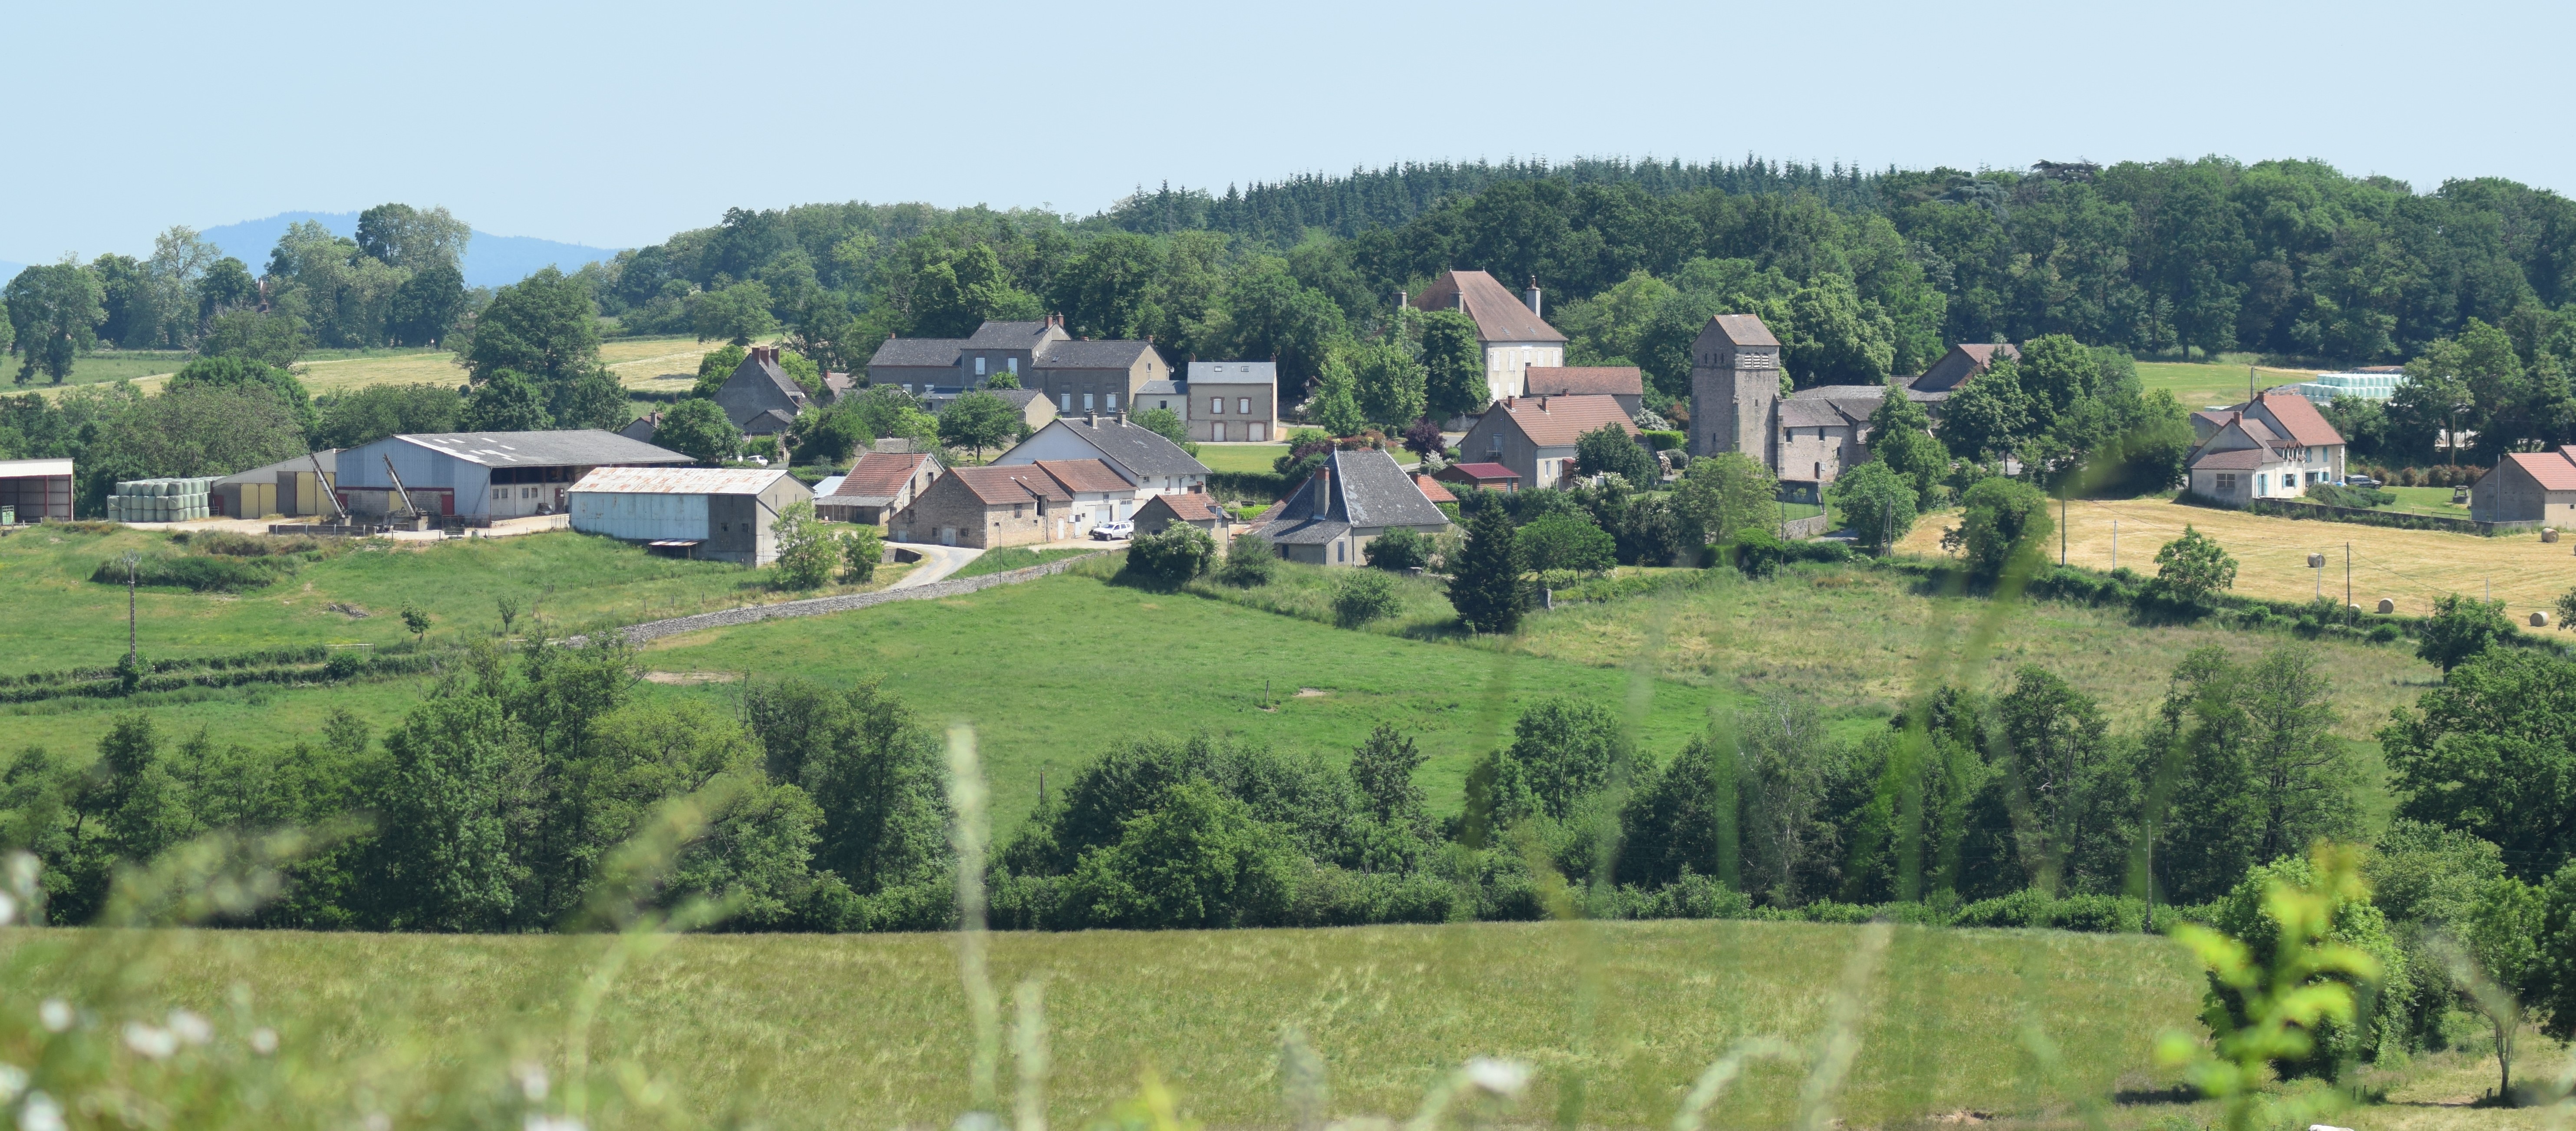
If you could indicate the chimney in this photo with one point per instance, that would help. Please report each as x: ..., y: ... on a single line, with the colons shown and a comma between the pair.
x: 1401, y: 298
x: 1323, y: 491
x: 1461, y: 303
x: 1532, y: 296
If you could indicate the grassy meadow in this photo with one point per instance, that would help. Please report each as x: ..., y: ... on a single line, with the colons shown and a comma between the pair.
x: 641, y: 364
x: 828, y: 1031
x: 2199, y: 385
x: 2410, y: 566
x: 1243, y: 457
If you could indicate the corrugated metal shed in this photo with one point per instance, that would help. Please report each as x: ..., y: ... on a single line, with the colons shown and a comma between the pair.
x: 678, y: 480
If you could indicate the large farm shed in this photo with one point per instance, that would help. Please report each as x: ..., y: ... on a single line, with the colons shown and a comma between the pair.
x: 481, y: 476
x: 288, y: 488
x: 720, y: 514
x: 36, y: 489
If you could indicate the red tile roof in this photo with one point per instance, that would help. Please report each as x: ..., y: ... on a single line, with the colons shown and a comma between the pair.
x: 2556, y: 471
x: 1085, y: 475
x: 1017, y: 483
x: 1482, y: 472
x: 1605, y: 380
x: 1432, y: 490
x: 880, y: 475
x: 2300, y: 418
x: 1554, y: 422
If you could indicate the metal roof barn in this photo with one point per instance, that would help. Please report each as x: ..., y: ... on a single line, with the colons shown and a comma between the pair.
x: 36, y: 489
x: 721, y: 514
x: 481, y: 476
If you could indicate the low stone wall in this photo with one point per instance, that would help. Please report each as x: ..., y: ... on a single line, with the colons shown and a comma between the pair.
x: 1812, y: 526
x: 651, y: 630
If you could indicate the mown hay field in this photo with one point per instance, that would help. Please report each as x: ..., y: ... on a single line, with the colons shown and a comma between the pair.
x: 2410, y: 566
x: 641, y: 364
x: 825, y: 1031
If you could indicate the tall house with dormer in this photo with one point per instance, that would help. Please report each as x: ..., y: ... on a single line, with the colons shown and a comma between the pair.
x: 1508, y: 328
x: 1735, y: 388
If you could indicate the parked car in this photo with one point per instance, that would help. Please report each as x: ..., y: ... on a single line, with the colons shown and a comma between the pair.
x: 1113, y: 531
x: 2359, y: 481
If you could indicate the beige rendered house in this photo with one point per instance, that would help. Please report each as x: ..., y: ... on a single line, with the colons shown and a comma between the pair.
x: 1509, y: 328
x: 1534, y: 436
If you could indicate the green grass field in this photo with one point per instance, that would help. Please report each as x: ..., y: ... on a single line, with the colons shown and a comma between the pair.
x: 2199, y: 385
x: 1009, y: 558
x: 820, y: 1031
x: 1243, y: 457
x: 99, y: 369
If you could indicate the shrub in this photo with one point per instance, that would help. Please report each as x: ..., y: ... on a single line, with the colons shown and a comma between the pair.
x: 1364, y: 596
x: 1568, y: 540
x: 2193, y: 567
x: 199, y: 573
x: 1176, y: 554
x: 1876, y: 503
x: 1400, y: 548
x: 861, y: 550
x: 1250, y: 562
x: 1757, y: 552
x: 2461, y: 627
x: 807, y: 555
x: 1664, y: 441
x: 2384, y: 634
x: 2001, y: 518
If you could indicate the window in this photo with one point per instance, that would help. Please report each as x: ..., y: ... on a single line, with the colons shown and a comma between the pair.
x: 1113, y: 402
x: 979, y: 367
x: 1013, y: 363
x: 1216, y: 406
x: 1068, y: 402
x: 1243, y: 405
x: 1497, y: 439
x: 1086, y: 402
x: 2227, y: 483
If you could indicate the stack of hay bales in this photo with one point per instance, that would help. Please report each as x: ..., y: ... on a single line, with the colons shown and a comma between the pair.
x: 160, y: 500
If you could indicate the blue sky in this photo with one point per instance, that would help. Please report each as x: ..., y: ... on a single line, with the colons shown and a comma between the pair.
x: 615, y: 125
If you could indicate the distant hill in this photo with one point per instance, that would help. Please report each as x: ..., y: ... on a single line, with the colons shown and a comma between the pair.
x: 490, y: 260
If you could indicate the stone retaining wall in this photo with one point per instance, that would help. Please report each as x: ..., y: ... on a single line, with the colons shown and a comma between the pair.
x: 1812, y: 526
x: 651, y: 630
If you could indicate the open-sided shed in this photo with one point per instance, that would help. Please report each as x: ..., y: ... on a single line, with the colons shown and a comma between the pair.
x: 33, y: 490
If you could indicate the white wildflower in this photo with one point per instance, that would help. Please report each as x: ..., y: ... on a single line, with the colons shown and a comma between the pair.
x: 40, y: 1113
x: 190, y: 1028
x: 263, y: 1040
x: 532, y: 1080
x: 8, y: 909
x: 56, y: 1014
x: 151, y: 1040
x: 23, y: 867
x: 977, y: 1121
x: 378, y: 1121
x: 1504, y: 1078
x: 539, y: 1122
x: 13, y: 1080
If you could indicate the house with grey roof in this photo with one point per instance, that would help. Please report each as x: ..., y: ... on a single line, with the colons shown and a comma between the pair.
x: 1810, y: 437
x: 1232, y: 401
x: 1509, y: 329
x: 1150, y: 464
x: 760, y: 398
x: 1073, y: 374
x: 1346, y: 504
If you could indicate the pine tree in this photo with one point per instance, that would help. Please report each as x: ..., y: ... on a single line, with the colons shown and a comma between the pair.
x: 1486, y: 585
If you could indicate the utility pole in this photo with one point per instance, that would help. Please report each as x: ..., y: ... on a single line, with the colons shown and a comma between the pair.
x: 2061, y: 526
x: 2115, y: 545
x: 2347, y: 581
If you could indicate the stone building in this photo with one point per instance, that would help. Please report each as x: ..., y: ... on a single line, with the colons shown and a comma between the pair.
x: 1073, y: 374
x: 760, y: 398
x: 1535, y: 436
x: 1510, y: 330
x: 2528, y: 487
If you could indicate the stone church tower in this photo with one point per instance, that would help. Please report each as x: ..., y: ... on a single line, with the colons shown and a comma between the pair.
x: 1735, y: 389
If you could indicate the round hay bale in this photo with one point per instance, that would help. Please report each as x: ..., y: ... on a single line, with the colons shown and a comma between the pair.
x: 2540, y: 618
x: 2387, y: 605
x: 2549, y: 534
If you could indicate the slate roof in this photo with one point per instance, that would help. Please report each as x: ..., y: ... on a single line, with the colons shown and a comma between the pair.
x: 1235, y: 372
x: 1090, y: 355
x: 543, y: 449
x: 1603, y: 380
x: 1018, y: 398
x: 1554, y: 422
x: 1010, y: 335
x: 2296, y: 413
x: 678, y: 481
x: 1744, y: 329
x: 1815, y: 414
x: 879, y: 475
x: 1499, y: 314
x: 918, y: 353
x: 761, y: 367
x: 1362, y: 489
x: 1141, y: 450
x: 1002, y: 486
x: 2555, y: 471
x: 1084, y: 475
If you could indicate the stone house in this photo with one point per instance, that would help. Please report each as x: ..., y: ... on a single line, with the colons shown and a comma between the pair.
x: 1510, y: 330
x: 1150, y: 464
x: 1811, y: 436
x: 1232, y: 401
x: 983, y: 507
x: 1535, y: 436
x: 2528, y: 487
x: 1193, y: 509
x: 1094, y: 494
x: 1074, y: 375
x: 1735, y: 388
x: 1625, y: 384
x: 1962, y: 364
x: 1347, y: 503
x: 760, y: 398
x: 879, y: 484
